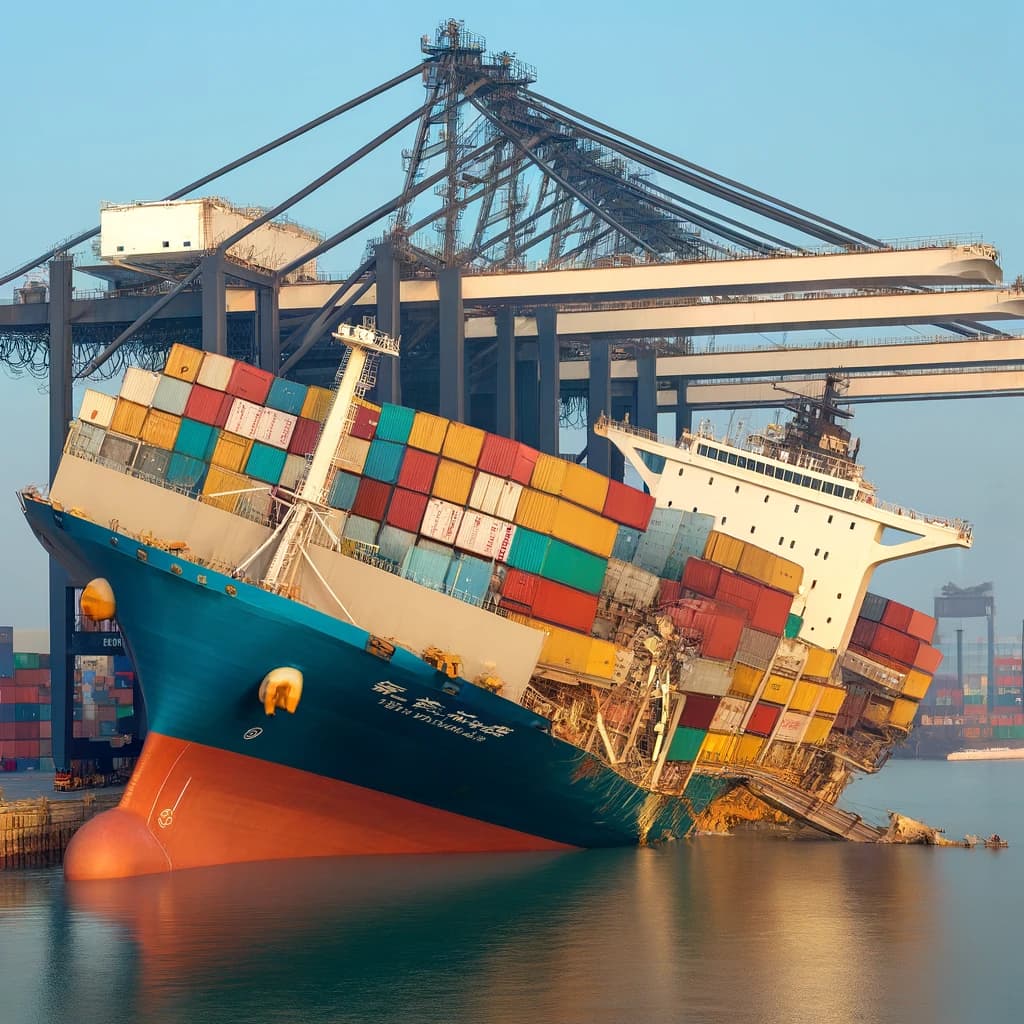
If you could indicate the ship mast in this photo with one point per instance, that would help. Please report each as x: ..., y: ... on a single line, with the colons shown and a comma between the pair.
x: 307, y: 514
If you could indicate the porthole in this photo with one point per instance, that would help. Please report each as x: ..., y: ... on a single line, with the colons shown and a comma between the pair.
x: 766, y: 497
x: 782, y: 541
x: 670, y: 504
x: 817, y: 551
x: 796, y: 508
x: 828, y: 620
x: 725, y: 519
x: 737, y: 489
x: 839, y: 597
x: 852, y: 525
x: 711, y: 480
x: 825, y: 556
x: 753, y: 528
x: 814, y: 583
x: 792, y: 544
x: 830, y: 519
x: 680, y: 470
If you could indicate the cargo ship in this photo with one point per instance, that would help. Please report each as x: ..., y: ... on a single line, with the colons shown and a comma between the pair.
x: 365, y: 629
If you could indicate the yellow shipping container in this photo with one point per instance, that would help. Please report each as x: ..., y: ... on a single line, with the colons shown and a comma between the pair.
x: 819, y: 663
x: 463, y: 443
x: 745, y: 680
x: 832, y: 698
x: 129, y: 418
x: 903, y: 712
x: 748, y: 748
x: 584, y: 486
x: 818, y: 729
x: 231, y: 451
x: 352, y: 454
x: 183, y: 362
x: 536, y: 511
x: 877, y: 711
x: 756, y: 563
x: 601, y: 660
x: 717, y: 747
x: 916, y: 685
x: 723, y: 550
x: 583, y: 528
x: 161, y: 429
x: 221, y: 480
x: 453, y: 482
x: 786, y: 575
x: 777, y: 689
x: 317, y: 403
x: 564, y: 649
x: 804, y: 696
x: 549, y: 474
x: 428, y: 432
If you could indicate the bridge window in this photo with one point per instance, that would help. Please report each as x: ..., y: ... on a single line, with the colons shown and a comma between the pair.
x: 120, y: 248
x: 742, y: 462
x: 815, y: 484
x: 186, y: 244
x: 829, y: 488
x: 787, y: 476
x: 166, y: 244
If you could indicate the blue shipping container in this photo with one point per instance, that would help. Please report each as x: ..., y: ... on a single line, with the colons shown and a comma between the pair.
x: 343, y: 491
x: 287, y: 396
x: 427, y: 568
x: 26, y: 712
x: 361, y: 530
x: 6, y: 664
x: 186, y: 472
x: 395, y: 423
x: 626, y: 541
x: 265, y: 463
x: 384, y: 460
x: 393, y: 543
x: 469, y: 579
x: 196, y: 439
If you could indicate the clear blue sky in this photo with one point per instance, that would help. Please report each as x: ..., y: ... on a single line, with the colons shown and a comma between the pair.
x: 899, y: 119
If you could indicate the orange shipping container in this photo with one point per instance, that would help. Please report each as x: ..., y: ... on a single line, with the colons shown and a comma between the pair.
x: 184, y: 362
x: 819, y: 728
x: 585, y: 487
x: 428, y: 432
x: 804, y: 696
x: 832, y: 698
x: 129, y: 418
x: 218, y: 483
x: 462, y: 443
x: 723, y: 550
x: 231, y: 451
x: 903, y: 712
x: 453, y: 482
x: 745, y: 680
x: 536, y: 511
x: 819, y: 663
x: 549, y: 474
x: 161, y: 429
x: 317, y: 404
x: 916, y: 684
x: 583, y: 528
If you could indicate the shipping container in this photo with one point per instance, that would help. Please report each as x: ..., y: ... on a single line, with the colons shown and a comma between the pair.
x: 139, y: 386
x: 195, y: 439
x: 304, y: 437
x: 244, y: 418
x: 730, y: 714
x: 495, y: 495
x: 525, y: 461
x: 468, y: 578
x: 231, y: 451
x: 564, y: 606
x: 129, y: 418
x: 686, y: 744
x: 635, y: 587
x: 275, y: 428
x: 794, y: 623
x: 418, y: 470
x: 317, y: 404
x: 698, y: 710
x: 655, y: 545
x: 293, y: 472
x: 536, y: 511
x: 343, y: 491
x: 572, y: 566
x: 85, y: 439
x: 498, y: 455
x: 628, y: 506
x: 441, y: 520
x: 172, y: 395
x: 777, y: 689
x: 426, y: 566
x: 215, y: 371
x: 762, y: 719
x: 265, y: 462
x: 549, y: 474
x: 873, y: 607
x: 701, y: 576
x: 626, y: 540
x: 365, y: 422
x: 463, y: 443
x: 819, y: 663
x: 669, y: 592
x: 384, y: 460
x: 771, y: 612
x: 249, y: 382
x: 528, y: 551
x: 371, y: 500
x: 406, y: 509
x: 395, y: 423
x: 97, y: 408
x: 928, y: 659
x: 287, y: 396
x: 223, y: 488
x: 903, y: 712
x: 452, y: 482
x: 208, y: 406
x: 361, y: 531
x: 583, y: 528
x: 394, y: 544
x: 485, y: 535
x: 428, y: 432
x: 183, y: 362
x: 186, y: 473
x: 519, y: 588
x: 791, y: 727
x: 151, y: 463
x: 118, y: 451
x: 756, y: 649
x: 160, y: 429
x: 805, y: 696
x: 585, y: 487
x: 724, y: 550
x: 563, y: 648
x: 702, y: 675
x: 916, y: 684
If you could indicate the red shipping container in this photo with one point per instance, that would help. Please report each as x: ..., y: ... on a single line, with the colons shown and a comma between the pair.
x: 519, y: 587
x: 31, y: 677
x: 26, y: 730
x: 7, y: 731
x: 928, y: 659
x: 897, y: 616
x: 763, y: 718
x: 670, y: 592
x: 418, y: 469
x: 863, y: 633
x: 628, y: 506
x: 698, y: 710
x: 208, y: 406
x: 737, y: 592
x: 498, y: 455
x: 716, y: 627
x: 564, y: 606
x: 250, y: 383
x: 46, y: 730
x: 851, y: 710
x: 772, y: 611
x: 406, y: 509
x: 895, y: 645
x: 26, y: 694
x: 304, y: 436
x: 522, y: 467
x: 701, y: 577
x: 365, y: 424
x: 371, y: 499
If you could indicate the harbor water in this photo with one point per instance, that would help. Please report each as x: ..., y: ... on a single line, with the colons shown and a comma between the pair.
x: 739, y: 929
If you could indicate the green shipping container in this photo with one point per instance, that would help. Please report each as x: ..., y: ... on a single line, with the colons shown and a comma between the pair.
x: 265, y: 463
x: 575, y: 568
x: 395, y: 423
x: 686, y: 744
x: 26, y: 660
x: 793, y: 626
x: 196, y: 440
x: 528, y: 550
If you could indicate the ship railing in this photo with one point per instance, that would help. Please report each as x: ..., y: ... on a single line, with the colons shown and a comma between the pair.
x: 606, y: 423
x: 964, y: 529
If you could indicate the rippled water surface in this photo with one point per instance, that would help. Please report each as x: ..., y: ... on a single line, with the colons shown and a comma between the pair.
x: 716, y: 929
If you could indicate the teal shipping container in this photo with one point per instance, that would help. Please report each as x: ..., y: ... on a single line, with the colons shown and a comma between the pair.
x: 575, y: 568
x: 186, y: 472
x: 427, y: 567
x: 395, y: 423
x: 686, y: 744
x: 265, y: 463
x: 393, y: 544
x: 793, y: 625
x: 383, y: 460
x: 363, y: 531
x: 343, y: 491
x: 287, y: 396
x: 26, y: 660
x: 528, y: 550
x: 690, y: 540
x: 655, y: 546
x: 626, y: 541
x: 196, y: 439
x: 469, y: 578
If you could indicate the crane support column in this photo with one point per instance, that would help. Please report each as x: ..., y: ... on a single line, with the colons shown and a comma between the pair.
x: 684, y: 414
x: 505, y: 397
x: 268, y: 328
x: 527, y: 382
x: 214, y: 306
x: 61, y: 596
x: 599, y: 402
x: 389, y: 321
x: 647, y: 389
x: 547, y: 358
x: 452, y: 385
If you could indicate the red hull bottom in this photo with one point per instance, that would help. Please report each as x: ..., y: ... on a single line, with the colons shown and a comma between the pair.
x: 191, y: 806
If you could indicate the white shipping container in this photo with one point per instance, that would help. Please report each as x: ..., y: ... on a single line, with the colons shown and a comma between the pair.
x: 351, y: 456
x: 172, y: 395
x: 85, y: 439
x: 612, y: 576
x: 244, y: 418
x: 637, y: 587
x: 495, y: 495
x: 275, y: 428
x: 294, y: 467
x: 484, y: 535
x: 97, y: 408
x: 442, y: 520
x: 508, y: 499
x: 702, y: 675
x: 139, y: 385
x: 791, y: 727
x: 729, y: 716
x: 215, y: 371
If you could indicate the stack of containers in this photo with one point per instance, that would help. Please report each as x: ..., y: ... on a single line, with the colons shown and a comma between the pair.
x: 25, y: 730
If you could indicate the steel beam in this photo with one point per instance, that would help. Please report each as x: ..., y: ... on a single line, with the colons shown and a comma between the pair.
x: 683, y: 410
x: 268, y: 328
x: 505, y: 392
x: 647, y: 389
x: 548, y: 398
x: 389, y: 320
x: 599, y: 403
x: 452, y: 384
x: 215, y: 317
